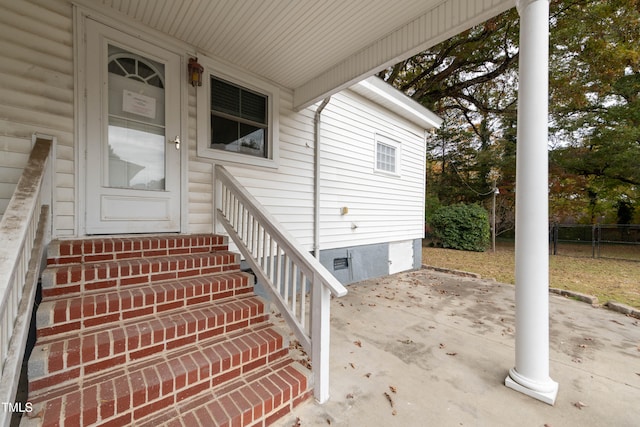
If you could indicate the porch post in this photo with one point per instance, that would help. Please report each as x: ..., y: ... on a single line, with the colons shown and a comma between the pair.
x: 531, y: 372
x: 320, y: 339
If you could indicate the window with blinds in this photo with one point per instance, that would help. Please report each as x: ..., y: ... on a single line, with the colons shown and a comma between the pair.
x: 239, y: 119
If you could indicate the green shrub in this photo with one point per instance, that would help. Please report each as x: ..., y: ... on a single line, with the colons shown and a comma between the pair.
x: 461, y: 226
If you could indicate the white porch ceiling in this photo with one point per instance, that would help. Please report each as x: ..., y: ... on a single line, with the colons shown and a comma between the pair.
x: 314, y: 47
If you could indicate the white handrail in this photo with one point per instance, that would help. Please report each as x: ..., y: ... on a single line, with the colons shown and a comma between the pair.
x: 23, y: 234
x: 287, y: 271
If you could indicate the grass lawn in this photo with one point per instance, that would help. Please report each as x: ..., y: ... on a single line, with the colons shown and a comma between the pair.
x: 608, y: 279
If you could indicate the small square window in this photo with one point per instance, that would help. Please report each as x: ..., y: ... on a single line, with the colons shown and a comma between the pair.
x: 386, y: 158
x: 387, y: 155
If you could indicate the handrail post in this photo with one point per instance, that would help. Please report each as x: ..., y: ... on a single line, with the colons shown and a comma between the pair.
x: 320, y: 339
x: 217, y: 199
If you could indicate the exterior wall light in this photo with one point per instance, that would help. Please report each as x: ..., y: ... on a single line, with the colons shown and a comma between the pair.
x: 195, y: 72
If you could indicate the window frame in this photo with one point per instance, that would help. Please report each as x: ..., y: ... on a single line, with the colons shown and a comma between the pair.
x: 389, y: 142
x: 244, y: 81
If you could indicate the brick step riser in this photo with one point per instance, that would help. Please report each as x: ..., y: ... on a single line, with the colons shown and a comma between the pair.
x: 152, y: 386
x: 77, y: 279
x: 68, y: 359
x: 62, y: 252
x: 60, y: 316
x: 257, y: 402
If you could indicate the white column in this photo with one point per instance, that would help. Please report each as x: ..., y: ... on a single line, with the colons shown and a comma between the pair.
x: 320, y: 339
x: 531, y: 372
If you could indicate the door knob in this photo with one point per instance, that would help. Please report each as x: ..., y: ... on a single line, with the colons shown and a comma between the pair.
x: 176, y: 141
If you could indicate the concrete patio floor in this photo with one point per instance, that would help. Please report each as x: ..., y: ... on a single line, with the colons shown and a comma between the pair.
x: 426, y: 348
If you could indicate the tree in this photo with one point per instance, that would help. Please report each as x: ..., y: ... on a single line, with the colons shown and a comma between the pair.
x: 471, y: 81
x: 597, y: 93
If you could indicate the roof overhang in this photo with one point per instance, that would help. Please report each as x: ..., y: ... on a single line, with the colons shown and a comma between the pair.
x: 314, y: 48
x: 393, y: 100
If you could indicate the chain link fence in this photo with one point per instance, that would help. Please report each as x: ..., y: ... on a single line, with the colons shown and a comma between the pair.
x: 619, y: 241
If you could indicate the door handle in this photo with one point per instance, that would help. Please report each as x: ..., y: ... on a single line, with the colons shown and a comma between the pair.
x: 176, y: 141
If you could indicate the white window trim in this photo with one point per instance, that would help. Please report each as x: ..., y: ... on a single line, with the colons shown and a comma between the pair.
x: 391, y: 143
x: 203, y: 114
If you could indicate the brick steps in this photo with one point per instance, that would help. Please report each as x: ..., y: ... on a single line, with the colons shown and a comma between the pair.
x: 136, y: 390
x: 76, y: 279
x: 62, y: 359
x: 62, y: 252
x: 156, y: 330
x: 75, y: 313
x: 257, y: 400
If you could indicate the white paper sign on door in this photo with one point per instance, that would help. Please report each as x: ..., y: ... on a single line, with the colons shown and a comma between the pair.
x: 139, y: 104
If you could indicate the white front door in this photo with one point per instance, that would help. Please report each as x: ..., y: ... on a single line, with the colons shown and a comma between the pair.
x: 133, y: 133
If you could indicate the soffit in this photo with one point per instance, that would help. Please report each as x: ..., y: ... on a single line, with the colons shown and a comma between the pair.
x: 314, y: 47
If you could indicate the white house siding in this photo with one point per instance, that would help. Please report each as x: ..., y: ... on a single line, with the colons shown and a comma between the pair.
x: 200, y: 176
x: 36, y: 90
x: 384, y: 208
x: 287, y: 192
x: 37, y: 95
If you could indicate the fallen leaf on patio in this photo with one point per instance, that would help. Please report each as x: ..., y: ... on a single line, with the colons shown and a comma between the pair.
x: 388, y: 396
x: 619, y: 323
x: 407, y: 341
x: 328, y: 421
x: 442, y: 345
x: 393, y: 389
x: 306, y: 363
x: 576, y: 360
x: 352, y: 365
x: 350, y: 396
x: 547, y: 425
x: 583, y: 346
x: 452, y: 354
x: 294, y: 344
x: 358, y: 343
x: 579, y: 405
x: 394, y: 412
x: 368, y: 375
x: 298, y: 422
